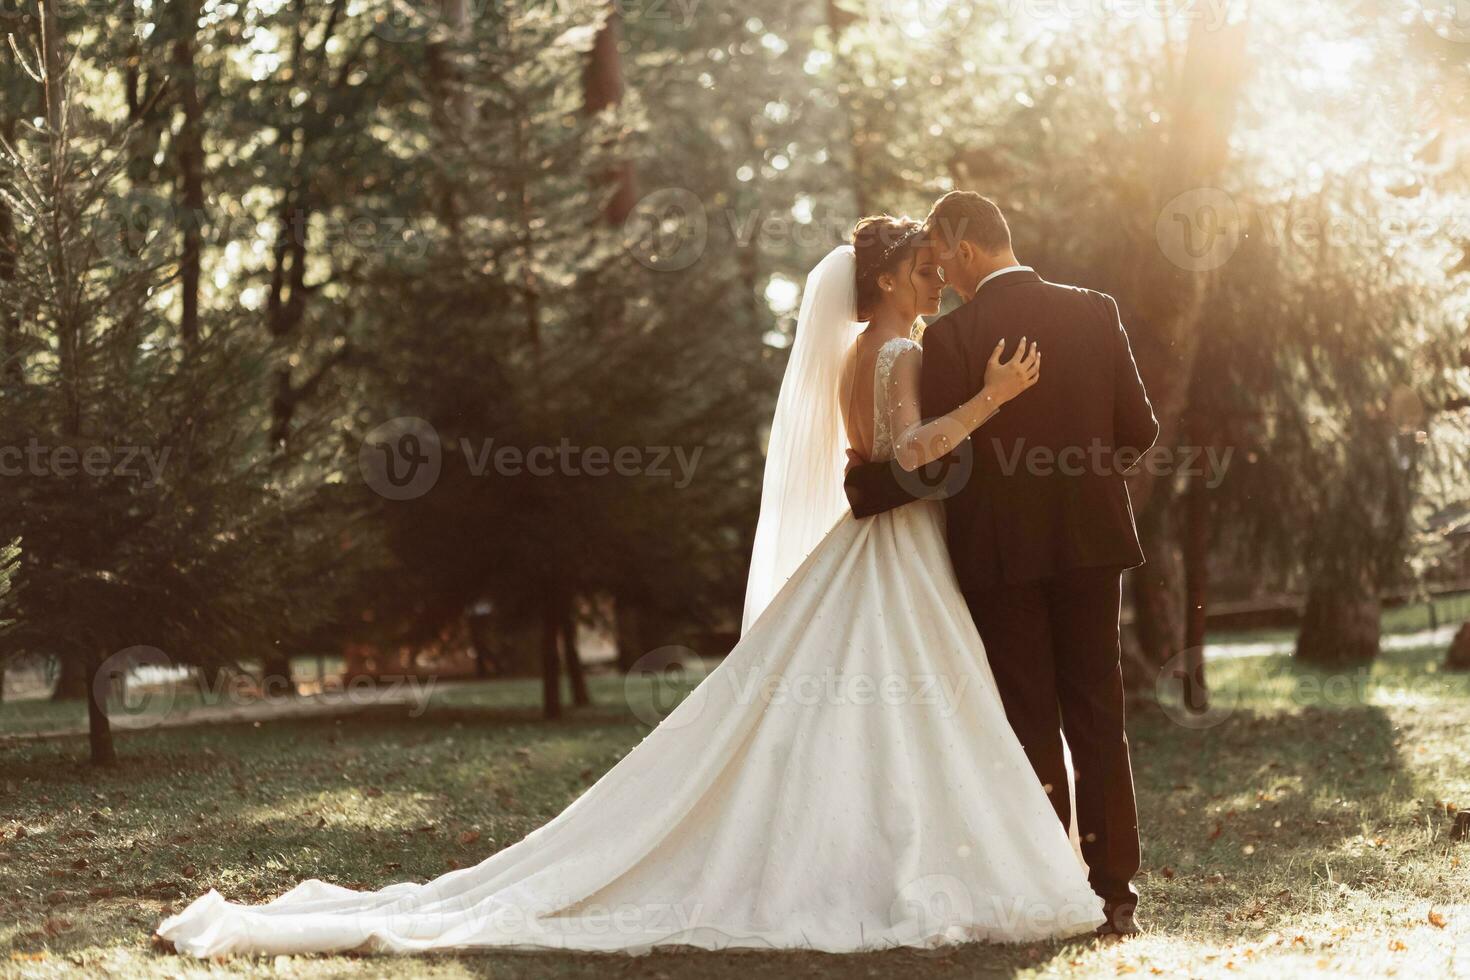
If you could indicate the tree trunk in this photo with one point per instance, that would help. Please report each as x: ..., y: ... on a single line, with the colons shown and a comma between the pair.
x: 10, y: 345
x: 1341, y: 625
x: 210, y: 679
x: 190, y: 157
x: 580, y: 696
x: 76, y: 673
x: 603, y: 86
x: 451, y: 107
x: 1165, y: 303
x: 70, y: 341
x: 483, y: 656
x: 526, y: 243
x: 550, y: 663
x: 289, y: 291
x: 275, y: 674
x: 99, y: 728
x: 627, y: 626
x: 1158, y: 600
x: 1196, y: 555
x: 71, y: 682
x: 1165, y: 299
x: 1458, y: 656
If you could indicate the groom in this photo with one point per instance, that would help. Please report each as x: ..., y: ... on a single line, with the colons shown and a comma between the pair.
x: 1042, y: 528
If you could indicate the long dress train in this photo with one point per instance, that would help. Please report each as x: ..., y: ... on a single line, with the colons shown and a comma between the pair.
x: 844, y: 780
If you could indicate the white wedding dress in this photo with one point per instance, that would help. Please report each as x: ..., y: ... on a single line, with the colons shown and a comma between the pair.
x: 845, y: 780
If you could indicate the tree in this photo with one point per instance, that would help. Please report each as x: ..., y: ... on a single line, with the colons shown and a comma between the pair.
x: 548, y: 344
x: 147, y: 505
x: 9, y: 558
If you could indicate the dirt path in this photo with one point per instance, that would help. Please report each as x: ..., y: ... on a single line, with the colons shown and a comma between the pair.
x: 157, y: 710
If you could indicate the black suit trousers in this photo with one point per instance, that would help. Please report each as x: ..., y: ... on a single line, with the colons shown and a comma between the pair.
x: 1054, y: 648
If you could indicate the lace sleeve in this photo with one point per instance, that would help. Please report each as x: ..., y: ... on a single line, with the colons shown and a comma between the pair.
x: 917, y: 443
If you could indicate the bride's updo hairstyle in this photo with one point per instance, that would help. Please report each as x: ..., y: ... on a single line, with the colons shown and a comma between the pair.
x: 883, y: 243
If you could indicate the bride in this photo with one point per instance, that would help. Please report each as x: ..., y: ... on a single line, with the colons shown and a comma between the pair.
x: 845, y: 780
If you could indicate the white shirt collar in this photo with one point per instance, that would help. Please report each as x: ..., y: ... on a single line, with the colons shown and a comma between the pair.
x: 1001, y: 272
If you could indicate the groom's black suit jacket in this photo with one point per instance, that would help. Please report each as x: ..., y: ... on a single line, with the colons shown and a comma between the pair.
x: 1047, y: 493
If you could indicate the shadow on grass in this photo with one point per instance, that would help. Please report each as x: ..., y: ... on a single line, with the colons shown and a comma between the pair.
x: 1244, y: 821
x: 1242, y: 824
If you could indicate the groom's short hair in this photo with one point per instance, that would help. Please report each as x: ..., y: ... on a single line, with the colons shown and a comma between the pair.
x: 967, y: 216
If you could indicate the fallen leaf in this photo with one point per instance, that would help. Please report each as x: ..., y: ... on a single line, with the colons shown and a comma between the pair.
x: 1436, y: 919
x: 468, y: 837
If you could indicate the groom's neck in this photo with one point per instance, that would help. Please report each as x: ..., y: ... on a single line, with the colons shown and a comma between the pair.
x: 996, y: 262
x: 982, y: 268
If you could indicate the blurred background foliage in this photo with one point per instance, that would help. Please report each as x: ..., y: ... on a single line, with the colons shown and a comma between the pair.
x: 250, y: 233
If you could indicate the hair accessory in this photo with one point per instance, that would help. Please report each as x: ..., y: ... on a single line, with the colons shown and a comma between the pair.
x: 897, y: 243
x: 901, y: 241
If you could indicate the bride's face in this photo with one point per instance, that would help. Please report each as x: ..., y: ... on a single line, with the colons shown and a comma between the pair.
x: 925, y: 282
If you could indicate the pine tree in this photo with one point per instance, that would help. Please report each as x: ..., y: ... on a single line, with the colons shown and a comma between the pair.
x: 530, y: 321
x: 9, y: 557
x: 149, y: 511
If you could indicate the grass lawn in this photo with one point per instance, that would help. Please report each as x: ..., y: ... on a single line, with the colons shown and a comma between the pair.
x: 1303, y: 832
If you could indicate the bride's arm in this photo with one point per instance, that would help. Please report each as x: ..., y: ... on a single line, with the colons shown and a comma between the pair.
x: 917, y: 443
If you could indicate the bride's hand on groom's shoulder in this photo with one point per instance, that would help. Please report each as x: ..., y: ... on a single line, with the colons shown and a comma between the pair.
x: 1007, y: 379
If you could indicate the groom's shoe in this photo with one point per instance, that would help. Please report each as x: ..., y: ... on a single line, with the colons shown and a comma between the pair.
x: 1122, y: 922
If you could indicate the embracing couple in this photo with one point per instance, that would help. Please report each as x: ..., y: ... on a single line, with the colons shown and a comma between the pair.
x: 889, y: 554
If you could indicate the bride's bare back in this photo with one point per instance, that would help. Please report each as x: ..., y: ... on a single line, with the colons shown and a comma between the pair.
x: 857, y: 395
